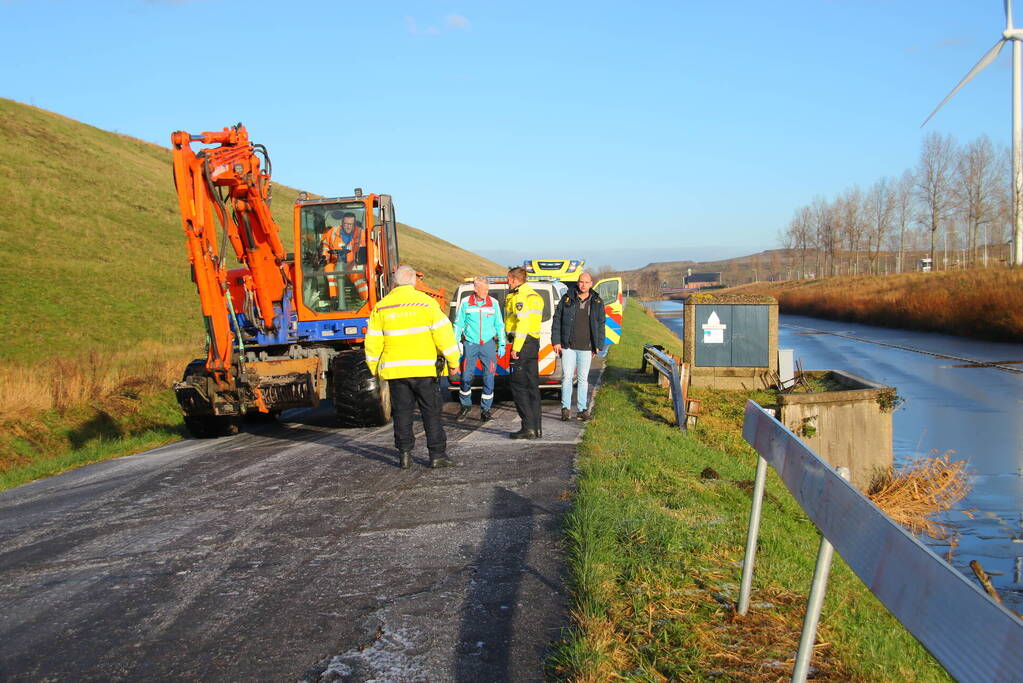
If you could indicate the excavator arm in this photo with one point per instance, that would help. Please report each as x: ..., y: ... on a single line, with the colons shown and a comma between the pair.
x: 225, y: 186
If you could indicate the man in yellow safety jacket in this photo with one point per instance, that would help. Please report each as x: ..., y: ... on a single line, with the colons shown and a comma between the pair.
x: 523, y: 311
x: 405, y: 333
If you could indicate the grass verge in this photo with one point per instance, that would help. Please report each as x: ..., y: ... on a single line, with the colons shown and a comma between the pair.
x: 655, y: 541
x: 132, y: 417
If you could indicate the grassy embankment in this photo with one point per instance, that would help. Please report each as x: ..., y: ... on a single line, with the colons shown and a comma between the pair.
x: 985, y: 303
x: 99, y: 313
x: 655, y: 541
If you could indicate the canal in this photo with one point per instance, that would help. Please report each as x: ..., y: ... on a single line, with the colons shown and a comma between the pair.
x: 972, y: 413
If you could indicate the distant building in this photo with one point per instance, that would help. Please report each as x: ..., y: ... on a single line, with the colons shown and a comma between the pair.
x: 701, y: 280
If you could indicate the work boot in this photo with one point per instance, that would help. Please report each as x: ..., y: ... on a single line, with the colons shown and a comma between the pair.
x: 485, y: 416
x: 583, y: 416
x: 442, y: 461
x: 405, y: 459
x: 524, y: 434
x: 566, y: 414
x: 462, y: 414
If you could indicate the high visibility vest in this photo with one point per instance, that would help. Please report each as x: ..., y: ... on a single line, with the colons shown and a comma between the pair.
x: 340, y: 246
x: 523, y: 311
x: 405, y: 333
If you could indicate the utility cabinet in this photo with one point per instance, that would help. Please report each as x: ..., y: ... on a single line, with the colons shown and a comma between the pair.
x: 731, y: 340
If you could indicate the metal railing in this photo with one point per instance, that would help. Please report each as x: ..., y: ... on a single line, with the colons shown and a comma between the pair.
x: 971, y: 635
x: 675, y: 373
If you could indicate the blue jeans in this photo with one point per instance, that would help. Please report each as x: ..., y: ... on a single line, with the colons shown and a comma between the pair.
x: 487, y: 355
x: 575, y: 363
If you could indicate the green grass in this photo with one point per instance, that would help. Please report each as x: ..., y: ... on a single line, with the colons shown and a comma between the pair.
x: 93, y: 247
x: 56, y: 442
x: 655, y: 541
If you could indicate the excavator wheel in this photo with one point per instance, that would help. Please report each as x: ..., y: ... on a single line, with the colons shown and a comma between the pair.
x: 208, y: 426
x: 360, y: 399
x: 211, y: 426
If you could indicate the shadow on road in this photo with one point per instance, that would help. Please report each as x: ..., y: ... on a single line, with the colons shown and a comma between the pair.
x: 489, y: 610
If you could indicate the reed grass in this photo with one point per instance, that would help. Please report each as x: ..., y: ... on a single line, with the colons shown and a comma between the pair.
x: 912, y: 495
x: 984, y: 303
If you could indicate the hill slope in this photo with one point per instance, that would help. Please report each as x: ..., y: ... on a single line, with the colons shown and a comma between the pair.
x: 91, y: 240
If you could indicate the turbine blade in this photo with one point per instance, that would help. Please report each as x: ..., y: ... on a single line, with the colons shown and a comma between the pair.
x: 984, y: 61
x: 1008, y: 15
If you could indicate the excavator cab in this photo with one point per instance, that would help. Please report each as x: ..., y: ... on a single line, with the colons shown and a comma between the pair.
x: 348, y: 251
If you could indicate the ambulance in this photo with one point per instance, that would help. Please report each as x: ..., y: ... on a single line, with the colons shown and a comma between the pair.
x: 551, y: 291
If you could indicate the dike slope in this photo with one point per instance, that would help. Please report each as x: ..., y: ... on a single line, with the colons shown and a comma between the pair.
x: 92, y: 245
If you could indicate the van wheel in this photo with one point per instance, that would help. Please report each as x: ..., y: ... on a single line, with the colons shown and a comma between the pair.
x: 360, y: 398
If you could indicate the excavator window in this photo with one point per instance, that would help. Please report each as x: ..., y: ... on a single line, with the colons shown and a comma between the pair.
x: 333, y: 257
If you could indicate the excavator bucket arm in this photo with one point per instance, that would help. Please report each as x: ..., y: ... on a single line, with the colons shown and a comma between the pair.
x: 226, y: 185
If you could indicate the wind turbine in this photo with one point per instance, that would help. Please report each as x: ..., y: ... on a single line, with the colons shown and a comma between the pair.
x: 1015, y: 35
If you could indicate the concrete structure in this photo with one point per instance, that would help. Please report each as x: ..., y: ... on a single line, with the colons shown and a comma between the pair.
x: 731, y: 340
x: 850, y: 428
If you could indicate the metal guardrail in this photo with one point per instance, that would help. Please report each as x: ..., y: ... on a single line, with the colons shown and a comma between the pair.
x: 662, y: 362
x: 971, y: 635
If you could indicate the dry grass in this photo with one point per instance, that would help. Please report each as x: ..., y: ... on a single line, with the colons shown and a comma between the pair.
x: 66, y: 383
x: 985, y: 303
x: 913, y: 494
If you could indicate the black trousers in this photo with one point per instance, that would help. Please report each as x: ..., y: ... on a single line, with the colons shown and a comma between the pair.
x: 406, y: 394
x: 525, y: 383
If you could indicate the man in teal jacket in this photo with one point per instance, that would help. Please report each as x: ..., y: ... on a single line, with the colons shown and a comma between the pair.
x: 480, y: 327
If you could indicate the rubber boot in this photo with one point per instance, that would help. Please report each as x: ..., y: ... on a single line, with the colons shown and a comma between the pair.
x: 405, y: 459
x: 442, y: 461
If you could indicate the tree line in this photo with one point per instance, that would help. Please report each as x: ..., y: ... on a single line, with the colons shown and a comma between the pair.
x: 954, y: 207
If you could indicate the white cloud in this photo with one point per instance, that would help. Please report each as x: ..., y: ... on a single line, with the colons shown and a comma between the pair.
x: 451, y: 22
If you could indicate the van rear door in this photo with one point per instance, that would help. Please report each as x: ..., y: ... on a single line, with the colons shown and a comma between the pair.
x: 610, y: 290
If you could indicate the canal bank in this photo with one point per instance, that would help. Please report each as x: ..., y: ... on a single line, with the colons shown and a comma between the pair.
x: 655, y: 538
x: 969, y: 411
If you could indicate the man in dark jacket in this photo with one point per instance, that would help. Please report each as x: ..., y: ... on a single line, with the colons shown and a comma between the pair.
x: 578, y: 335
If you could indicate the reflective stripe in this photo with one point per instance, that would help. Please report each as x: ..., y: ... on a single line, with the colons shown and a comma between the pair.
x: 451, y: 349
x: 374, y: 333
x: 534, y: 310
x: 465, y: 393
x: 487, y: 397
x: 440, y: 323
x: 412, y: 303
x: 407, y: 330
x: 372, y: 357
x: 406, y: 363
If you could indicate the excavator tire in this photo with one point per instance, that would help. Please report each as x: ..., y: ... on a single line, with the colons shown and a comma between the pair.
x: 360, y: 399
x: 208, y: 426
x: 211, y: 426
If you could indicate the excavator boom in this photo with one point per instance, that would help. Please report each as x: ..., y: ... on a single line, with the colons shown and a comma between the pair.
x: 226, y: 186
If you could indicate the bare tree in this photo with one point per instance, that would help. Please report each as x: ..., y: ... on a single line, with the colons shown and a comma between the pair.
x: 934, y: 181
x: 851, y: 227
x: 880, y: 207
x: 799, y: 236
x: 902, y: 213
x: 975, y: 182
x: 824, y: 235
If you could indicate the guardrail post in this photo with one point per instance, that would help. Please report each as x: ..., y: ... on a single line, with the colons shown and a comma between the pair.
x: 751, y: 535
x: 814, y: 604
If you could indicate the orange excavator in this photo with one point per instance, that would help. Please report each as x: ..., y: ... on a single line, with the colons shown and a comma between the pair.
x: 285, y: 330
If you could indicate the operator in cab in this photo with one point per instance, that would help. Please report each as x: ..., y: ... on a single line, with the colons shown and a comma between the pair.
x: 340, y: 247
x: 406, y: 332
x: 523, y: 312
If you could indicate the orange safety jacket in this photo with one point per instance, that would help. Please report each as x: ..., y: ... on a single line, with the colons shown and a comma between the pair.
x: 339, y: 245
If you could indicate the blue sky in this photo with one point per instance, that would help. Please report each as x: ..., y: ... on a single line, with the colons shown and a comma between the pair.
x: 622, y: 133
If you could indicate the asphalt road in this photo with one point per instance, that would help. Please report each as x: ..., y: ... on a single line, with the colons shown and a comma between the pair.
x: 293, y: 552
